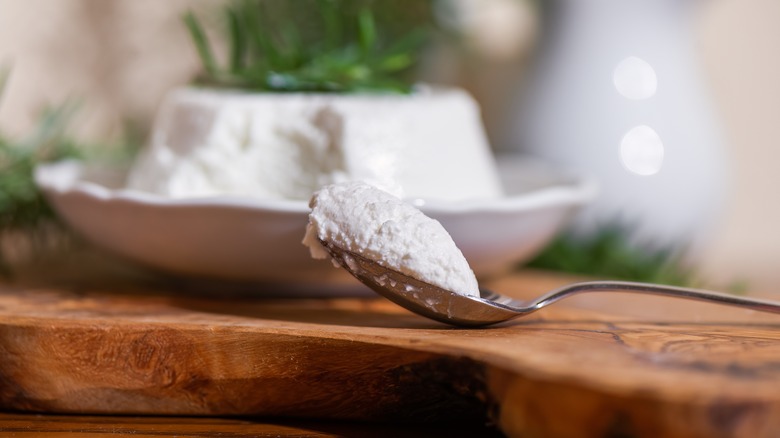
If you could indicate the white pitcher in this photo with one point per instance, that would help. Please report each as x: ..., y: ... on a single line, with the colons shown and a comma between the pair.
x: 616, y: 92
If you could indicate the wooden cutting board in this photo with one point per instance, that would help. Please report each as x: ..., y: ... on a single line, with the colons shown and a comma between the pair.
x: 600, y: 365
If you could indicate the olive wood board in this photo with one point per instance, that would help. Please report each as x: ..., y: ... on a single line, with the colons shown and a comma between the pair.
x: 598, y: 365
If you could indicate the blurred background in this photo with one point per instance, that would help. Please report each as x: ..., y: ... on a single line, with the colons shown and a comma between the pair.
x: 703, y: 73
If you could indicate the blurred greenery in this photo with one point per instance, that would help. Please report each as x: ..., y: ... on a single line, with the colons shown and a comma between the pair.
x: 21, y: 204
x: 314, y: 45
x: 26, y: 219
x: 610, y: 253
x: 23, y: 209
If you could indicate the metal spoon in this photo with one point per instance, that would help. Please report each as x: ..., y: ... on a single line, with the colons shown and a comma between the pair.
x: 491, y: 308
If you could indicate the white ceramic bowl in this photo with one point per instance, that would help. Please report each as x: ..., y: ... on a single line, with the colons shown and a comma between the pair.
x: 259, y: 240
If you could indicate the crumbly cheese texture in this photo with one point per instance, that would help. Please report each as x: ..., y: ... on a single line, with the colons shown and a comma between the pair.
x: 428, y: 145
x: 363, y: 219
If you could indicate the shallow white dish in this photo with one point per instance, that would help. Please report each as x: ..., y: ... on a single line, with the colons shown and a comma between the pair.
x: 258, y: 240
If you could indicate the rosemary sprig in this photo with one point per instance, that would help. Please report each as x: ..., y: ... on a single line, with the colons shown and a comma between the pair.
x: 198, y: 36
x: 609, y: 253
x: 343, y: 52
x: 29, y: 227
x: 26, y: 219
x: 21, y: 204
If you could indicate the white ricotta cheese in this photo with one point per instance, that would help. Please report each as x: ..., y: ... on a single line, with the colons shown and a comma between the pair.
x: 428, y: 145
x: 379, y: 226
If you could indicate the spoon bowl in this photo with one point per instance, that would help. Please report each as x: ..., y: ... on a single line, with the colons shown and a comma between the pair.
x: 490, y: 308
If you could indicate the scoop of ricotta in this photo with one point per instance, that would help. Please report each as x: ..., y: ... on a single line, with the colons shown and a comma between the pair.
x: 360, y: 218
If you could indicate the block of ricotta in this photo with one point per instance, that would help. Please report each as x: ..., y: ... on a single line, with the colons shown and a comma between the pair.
x: 362, y: 219
x: 427, y: 145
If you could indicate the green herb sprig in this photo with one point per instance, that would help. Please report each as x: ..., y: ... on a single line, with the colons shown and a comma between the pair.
x: 608, y: 253
x: 29, y: 227
x: 26, y: 219
x: 344, y: 52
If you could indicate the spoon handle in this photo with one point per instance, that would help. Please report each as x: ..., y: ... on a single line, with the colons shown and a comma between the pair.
x: 655, y: 289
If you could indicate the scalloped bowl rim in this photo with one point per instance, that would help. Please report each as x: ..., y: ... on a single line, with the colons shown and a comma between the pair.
x: 64, y: 177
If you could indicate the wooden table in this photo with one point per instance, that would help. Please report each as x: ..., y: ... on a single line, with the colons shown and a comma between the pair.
x: 600, y: 365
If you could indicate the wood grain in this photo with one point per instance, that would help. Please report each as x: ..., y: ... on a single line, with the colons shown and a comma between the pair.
x: 62, y: 426
x: 597, y: 366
